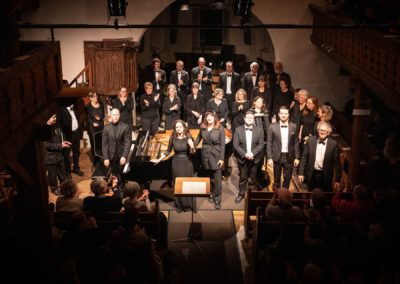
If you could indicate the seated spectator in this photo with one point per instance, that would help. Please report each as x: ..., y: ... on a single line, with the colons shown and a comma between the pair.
x: 360, y: 209
x: 316, y: 209
x: 69, y: 201
x: 100, y: 203
x: 134, y: 250
x: 282, y: 209
x: 134, y: 199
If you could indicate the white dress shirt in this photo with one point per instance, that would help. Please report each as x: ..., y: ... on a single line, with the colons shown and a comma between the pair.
x: 228, y: 83
x: 249, y: 137
x: 201, y: 81
x: 254, y: 78
x: 319, y: 155
x: 285, y: 137
x: 156, y: 74
x: 73, y: 118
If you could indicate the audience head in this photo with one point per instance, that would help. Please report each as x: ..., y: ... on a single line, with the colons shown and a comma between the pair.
x: 130, y: 219
x: 258, y: 103
x: 325, y: 113
x: 283, y: 113
x: 318, y: 199
x: 156, y: 63
x: 98, y: 186
x: 360, y: 192
x: 254, y: 67
x: 179, y: 65
x: 69, y: 188
x: 240, y: 95
x: 171, y: 90
x: 324, y: 130
x: 312, y: 104
x: 303, y: 95
x: 131, y: 189
x: 115, y: 115
x: 285, y: 198
x: 210, y: 119
x: 148, y: 87
x: 229, y: 66
x: 312, y: 274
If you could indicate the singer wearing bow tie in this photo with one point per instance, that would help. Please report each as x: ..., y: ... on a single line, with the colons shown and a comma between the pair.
x: 248, y: 143
x: 283, y: 148
x: 320, y: 157
x: 203, y: 76
x: 229, y: 81
x: 180, y: 78
x: 250, y: 79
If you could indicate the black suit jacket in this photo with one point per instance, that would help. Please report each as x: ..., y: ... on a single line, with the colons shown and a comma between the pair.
x: 274, y: 142
x: 235, y: 82
x: 331, y: 161
x: 120, y: 143
x: 248, y: 83
x: 151, y: 77
x: 206, y: 86
x: 64, y: 119
x: 183, y: 89
x: 240, y: 145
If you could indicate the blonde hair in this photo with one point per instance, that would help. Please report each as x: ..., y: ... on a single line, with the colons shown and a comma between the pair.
x: 218, y: 91
x: 171, y: 86
x: 148, y: 85
x: 327, y: 112
x: 242, y: 91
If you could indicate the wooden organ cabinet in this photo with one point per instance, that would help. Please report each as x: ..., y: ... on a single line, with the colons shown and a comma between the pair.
x: 114, y: 64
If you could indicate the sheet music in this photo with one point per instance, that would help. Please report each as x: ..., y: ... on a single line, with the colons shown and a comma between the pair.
x: 194, y: 187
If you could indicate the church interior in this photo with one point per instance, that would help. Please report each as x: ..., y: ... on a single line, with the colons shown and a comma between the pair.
x: 345, y: 53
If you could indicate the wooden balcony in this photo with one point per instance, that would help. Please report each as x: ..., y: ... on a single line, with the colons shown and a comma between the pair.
x: 367, y: 54
x: 27, y: 95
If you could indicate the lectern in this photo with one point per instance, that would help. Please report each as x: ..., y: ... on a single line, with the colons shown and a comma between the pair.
x: 192, y: 187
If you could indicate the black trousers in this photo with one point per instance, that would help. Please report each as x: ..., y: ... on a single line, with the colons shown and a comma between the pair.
x: 287, y: 167
x: 216, y: 182
x: 116, y: 168
x: 317, y: 181
x: 75, y: 148
x: 150, y: 125
x: 247, y: 170
x: 55, y: 171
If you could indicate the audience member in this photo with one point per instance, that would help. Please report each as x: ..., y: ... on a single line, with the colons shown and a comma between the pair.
x: 281, y: 208
x: 69, y: 201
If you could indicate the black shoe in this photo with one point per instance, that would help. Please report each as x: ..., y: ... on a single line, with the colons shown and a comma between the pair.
x: 238, y: 199
x: 210, y: 199
x: 217, y: 205
x: 78, y: 172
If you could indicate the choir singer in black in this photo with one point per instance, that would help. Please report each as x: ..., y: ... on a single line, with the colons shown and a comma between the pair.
x: 248, y: 143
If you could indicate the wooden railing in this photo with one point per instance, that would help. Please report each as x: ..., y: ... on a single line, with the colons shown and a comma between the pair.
x: 366, y: 54
x: 27, y: 91
x: 85, y: 76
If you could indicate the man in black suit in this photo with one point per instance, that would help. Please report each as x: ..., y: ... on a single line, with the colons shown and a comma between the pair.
x: 116, y: 141
x: 250, y: 79
x: 283, y: 148
x: 229, y: 81
x: 320, y: 157
x: 203, y: 76
x: 54, y: 157
x: 248, y: 143
x: 67, y: 117
x: 279, y: 75
x: 158, y: 77
x: 180, y: 78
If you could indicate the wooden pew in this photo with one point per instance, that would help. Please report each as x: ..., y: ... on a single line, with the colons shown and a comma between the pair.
x: 254, y: 199
x: 109, y: 221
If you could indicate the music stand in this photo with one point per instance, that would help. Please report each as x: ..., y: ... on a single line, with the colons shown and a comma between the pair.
x: 189, y: 186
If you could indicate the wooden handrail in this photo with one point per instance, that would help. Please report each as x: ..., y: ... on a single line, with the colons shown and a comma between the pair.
x: 86, y: 70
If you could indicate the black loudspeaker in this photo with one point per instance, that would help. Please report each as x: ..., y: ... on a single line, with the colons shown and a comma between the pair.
x: 211, y: 36
x: 227, y: 53
x: 117, y: 8
x: 247, y: 36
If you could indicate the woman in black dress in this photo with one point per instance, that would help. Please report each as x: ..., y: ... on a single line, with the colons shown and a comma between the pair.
x: 261, y: 115
x: 194, y: 107
x: 298, y: 108
x: 150, y: 104
x: 263, y: 91
x: 308, y: 120
x: 219, y: 105
x: 181, y: 142
x: 171, y: 107
x: 124, y: 103
x: 95, y: 122
x: 282, y: 96
x: 212, y: 153
x: 239, y: 108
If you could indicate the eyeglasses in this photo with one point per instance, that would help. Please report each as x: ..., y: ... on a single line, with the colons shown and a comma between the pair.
x: 323, y: 131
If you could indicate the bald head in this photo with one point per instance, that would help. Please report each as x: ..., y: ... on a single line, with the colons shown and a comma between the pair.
x: 115, y: 115
x: 285, y: 197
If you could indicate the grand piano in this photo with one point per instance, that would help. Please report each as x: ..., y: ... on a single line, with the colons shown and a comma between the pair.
x: 145, y: 148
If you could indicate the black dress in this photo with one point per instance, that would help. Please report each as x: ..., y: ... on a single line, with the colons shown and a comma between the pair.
x: 182, y: 166
x: 171, y: 115
x: 191, y: 104
x: 308, y: 122
x: 238, y: 115
x: 281, y: 99
x: 266, y: 95
x: 125, y: 110
x: 92, y: 112
x: 222, y: 110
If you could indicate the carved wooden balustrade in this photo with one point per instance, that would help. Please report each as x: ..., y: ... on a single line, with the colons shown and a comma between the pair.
x: 27, y: 91
x: 367, y: 54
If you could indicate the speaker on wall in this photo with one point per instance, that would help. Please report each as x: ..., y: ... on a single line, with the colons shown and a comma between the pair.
x: 211, y: 36
x: 117, y: 8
